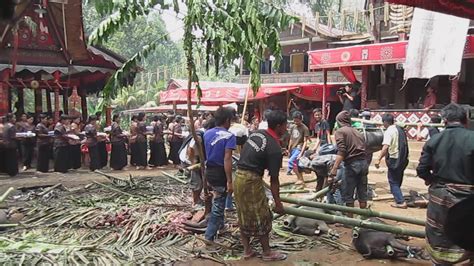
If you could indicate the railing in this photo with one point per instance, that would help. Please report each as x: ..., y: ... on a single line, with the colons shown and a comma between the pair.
x: 299, y: 77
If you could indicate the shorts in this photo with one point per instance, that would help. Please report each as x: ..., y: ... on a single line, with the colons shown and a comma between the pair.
x: 196, y: 180
x: 355, y: 177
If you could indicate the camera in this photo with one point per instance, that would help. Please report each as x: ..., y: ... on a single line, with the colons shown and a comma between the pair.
x: 341, y: 91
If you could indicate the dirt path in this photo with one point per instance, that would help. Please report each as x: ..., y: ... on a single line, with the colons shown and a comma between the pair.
x: 320, y: 255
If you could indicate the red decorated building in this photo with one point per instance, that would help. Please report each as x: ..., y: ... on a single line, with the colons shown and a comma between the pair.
x: 43, y: 48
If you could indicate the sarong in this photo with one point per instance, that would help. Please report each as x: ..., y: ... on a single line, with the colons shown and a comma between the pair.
x: 153, y: 154
x: 118, y: 156
x: 44, y: 155
x: 94, y: 156
x: 62, y: 161
x: 11, y: 161
x: 255, y: 217
x: 141, y: 153
x: 103, y: 154
x: 162, y: 158
x: 442, y: 197
x: 174, y: 151
x: 76, y: 158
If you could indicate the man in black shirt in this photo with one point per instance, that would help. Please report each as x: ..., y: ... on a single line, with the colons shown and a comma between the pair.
x: 447, y: 166
x: 348, y: 98
x: 261, y: 152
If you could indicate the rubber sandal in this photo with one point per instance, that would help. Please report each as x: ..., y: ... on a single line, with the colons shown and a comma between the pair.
x: 275, y: 257
x: 251, y: 255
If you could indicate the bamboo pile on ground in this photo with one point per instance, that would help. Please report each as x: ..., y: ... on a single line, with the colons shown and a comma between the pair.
x: 135, y: 220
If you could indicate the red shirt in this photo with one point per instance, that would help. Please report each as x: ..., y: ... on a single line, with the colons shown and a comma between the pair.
x: 430, y: 100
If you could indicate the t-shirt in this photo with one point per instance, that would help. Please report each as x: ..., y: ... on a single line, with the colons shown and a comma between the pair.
x: 60, y: 133
x: 320, y: 129
x: 261, y: 152
x: 390, y: 138
x: 298, y: 135
x: 216, y: 141
x: 43, y: 130
x: 184, y: 156
x: 348, y: 104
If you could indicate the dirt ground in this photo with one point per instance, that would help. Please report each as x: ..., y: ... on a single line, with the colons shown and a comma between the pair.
x: 321, y: 255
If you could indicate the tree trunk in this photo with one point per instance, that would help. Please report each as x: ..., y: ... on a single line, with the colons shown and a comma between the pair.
x: 207, y: 197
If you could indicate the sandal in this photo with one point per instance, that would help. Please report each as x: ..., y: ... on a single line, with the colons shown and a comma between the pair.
x: 274, y: 256
x: 249, y: 256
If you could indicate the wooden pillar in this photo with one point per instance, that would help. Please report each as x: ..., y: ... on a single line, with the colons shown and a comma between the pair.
x: 83, y: 95
x: 49, y: 105
x: 3, y: 98
x: 38, y: 101
x: 20, y: 104
x: 455, y: 90
x: 365, y: 86
x: 325, y: 86
x: 56, y: 105
x: 108, y: 115
x: 65, y: 101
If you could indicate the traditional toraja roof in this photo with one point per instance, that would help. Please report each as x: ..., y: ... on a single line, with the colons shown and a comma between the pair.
x: 58, y: 40
x: 463, y: 8
x: 58, y: 46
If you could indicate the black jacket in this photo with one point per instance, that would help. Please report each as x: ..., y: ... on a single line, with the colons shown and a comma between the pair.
x: 448, y: 157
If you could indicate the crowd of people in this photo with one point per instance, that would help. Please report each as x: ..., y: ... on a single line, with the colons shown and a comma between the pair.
x: 445, y: 164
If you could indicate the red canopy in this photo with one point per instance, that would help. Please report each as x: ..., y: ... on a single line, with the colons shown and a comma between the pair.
x: 369, y: 54
x: 464, y: 8
x: 223, y: 95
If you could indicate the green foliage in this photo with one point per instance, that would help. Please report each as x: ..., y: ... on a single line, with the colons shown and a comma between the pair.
x: 227, y: 29
x: 234, y: 29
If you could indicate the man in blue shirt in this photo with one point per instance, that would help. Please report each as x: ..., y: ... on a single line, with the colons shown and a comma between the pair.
x: 219, y: 144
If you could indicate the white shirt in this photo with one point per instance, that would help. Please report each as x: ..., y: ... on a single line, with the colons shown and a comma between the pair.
x: 263, y: 125
x: 183, y: 155
x: 390, y: 138
x: 239, y: 130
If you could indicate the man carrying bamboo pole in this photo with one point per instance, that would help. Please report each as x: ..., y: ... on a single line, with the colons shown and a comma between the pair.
x: 351, y: 150
x: 446, y: 165
x: 261, y: 152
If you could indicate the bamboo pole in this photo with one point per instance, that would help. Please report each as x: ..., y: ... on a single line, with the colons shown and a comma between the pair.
x: 5, y: 195
x: 364, y: 212
x: 246, y: 101
x: 364, y: 121
x: 354, y: 222
x: 174, y: 177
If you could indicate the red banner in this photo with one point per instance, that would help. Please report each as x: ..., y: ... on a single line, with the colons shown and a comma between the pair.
x: 369, y: 54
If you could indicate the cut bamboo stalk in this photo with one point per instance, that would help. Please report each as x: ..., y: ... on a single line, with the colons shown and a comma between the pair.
x: 364, y: 212
x: 5, y: 195
x: 354, y: 222
x: 174, y: 177
x: 116, y: 190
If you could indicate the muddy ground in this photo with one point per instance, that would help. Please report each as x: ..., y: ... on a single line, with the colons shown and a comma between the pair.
x: 321, y: 255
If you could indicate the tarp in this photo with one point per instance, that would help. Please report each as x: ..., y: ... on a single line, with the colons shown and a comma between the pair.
x: 460, y: 8
x: 369, y: 54
x: 436, y: 44
x: 223, y: 95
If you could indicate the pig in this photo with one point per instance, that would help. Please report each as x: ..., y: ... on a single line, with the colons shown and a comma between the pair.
x: 372, y: 244
x: 307, y: 226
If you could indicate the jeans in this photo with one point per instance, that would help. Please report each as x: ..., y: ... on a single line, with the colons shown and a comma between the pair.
x: 293, y: 155
x: 395, y: 179
x: 336, y: 196
x: 355, y: 180
x: 216, y: 218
